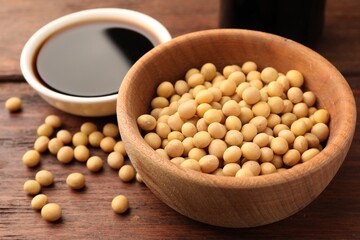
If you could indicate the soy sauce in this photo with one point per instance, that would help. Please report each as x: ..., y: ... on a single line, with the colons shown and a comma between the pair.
x: 90, y: 59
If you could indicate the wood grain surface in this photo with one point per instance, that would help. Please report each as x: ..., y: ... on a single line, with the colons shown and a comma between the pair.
x: 87, y: 214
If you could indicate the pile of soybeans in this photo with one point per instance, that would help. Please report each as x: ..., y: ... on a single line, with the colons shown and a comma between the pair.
x: 237, y: 121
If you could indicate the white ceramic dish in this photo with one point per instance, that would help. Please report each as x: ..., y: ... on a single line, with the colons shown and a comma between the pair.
x: 86, y: 106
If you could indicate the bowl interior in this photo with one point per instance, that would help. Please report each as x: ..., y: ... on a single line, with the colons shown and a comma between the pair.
x: 170, y: 61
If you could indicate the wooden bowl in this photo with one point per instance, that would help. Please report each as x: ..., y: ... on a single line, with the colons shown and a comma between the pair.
x: 229, y: 201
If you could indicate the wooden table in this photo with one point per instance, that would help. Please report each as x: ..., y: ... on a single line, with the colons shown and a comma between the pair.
x: 87, y: 214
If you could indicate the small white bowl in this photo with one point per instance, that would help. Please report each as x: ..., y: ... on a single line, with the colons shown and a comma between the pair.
x: 86, y: 106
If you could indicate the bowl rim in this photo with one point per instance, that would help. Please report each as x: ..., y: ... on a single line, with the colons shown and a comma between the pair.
x: 293, y: 174
x: 155, y: 31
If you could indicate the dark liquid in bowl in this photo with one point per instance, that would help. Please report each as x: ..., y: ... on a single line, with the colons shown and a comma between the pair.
x: 90, y: 59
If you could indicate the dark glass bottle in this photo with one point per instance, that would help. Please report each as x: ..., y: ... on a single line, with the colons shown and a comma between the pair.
x: 299, y: 20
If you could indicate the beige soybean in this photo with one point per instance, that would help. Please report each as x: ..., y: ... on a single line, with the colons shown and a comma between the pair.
x: 230, y: 169
x: 300, y: 110
x: 295, y: 77
x: 276, y: 104
x: 175, y: 122
x: 45, y: 130
x: 196, y: 153
x: 80, y: 138
x: 174, y: 148
x: 94, y: 164
x: 53, y: 120
x: 312, y: 140
x: 300, y: 144
x: 209, y: 163
x: 54, y: 145
x: 187, y: 109
x: 260, y: 123
x: 191, y: 164
x: 249, y: 131
x: 321, y: 116
x: 321, y: 131
x: 175, y: 135
x: 267, y: 154
x: 44, y: 177
x: 181, y: 87
x: 250, y: 151
x: 234, y: 138
x: 284, y: 82
x: 248, y: 66
x: 202, y: 139
x: 146, y: 122
x: 244, y: 172
x: 288, y: 135
x: 216, y: 130
x: 162, y: 129
x: 120, y: 147
x: 217, y: 148
x: 95, y: 138
x: 88, y: 128
x: 269, y: 74
x: 253, y: 166
x: 41, y: 144
x: 251, y: 95
x: 309, y: 154
x: 288, y: 118
x: 275, y: 89
x: 177, y: 160
x: 110, y: 130
x: 213, y: 115
x: 159, y: 102
x: 107, y: 144
x: 31, y: 158
x: 188, y: 129
x: 257, y: 83
x: 32, y: 187
x: 64, y: 135
x: 253, y: 75
x: 232, y: 154
x: 295, y: 94
x: 13, y: 104
x: 271, y: 121
x: 115, y: 160
x: 279, y: 145
x: 188, y: 144
x: 228, y: 87
x: 204, y: 96
x: 165, y: 89
x: 75, y: 181
x: 261, y: 109
x: 309, y: 98
x: 298, y: 127
x: 120, y: 204
x: 291, y: 157
x: 233, y: 123
x: 277, y: 161
x: 81, y: 153
x: 196, y: 79
x: 261, y: 139
x: 51, y: 212
x: 231, y: 108
x: 278, y: 128
x: 138, y: 178
x: 127, y: 173
x: 208, y: 70
x: 65, y: 154
x: 267, y: 168
x: 39, y: 201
